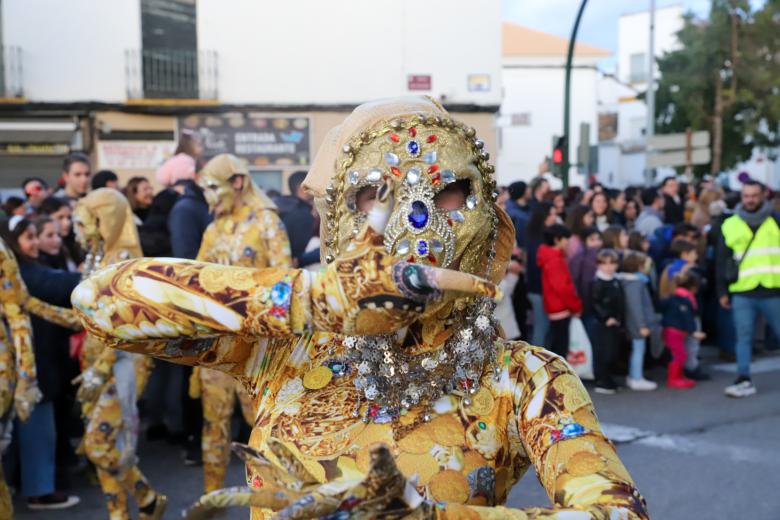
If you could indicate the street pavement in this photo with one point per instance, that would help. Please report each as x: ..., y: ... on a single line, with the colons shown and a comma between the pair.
x: 694, y: 454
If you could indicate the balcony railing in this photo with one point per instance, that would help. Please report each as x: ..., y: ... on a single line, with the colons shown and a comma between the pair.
x: 171, y: 74
x: 11, y: 71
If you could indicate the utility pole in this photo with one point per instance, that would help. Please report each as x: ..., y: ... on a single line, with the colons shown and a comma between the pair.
x: 650, y: 125
x: 567, y: 98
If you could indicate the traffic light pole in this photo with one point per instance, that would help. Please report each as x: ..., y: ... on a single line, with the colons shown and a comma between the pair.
x: 567, y: 97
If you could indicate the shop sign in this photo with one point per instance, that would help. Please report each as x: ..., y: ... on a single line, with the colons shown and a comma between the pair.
x: 479, y: 82
x: 419, y: 82
x: 33, y: 149
x: 263, y: 140
x: 133, y: 155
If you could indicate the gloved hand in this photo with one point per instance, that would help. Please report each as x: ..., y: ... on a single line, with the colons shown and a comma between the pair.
x: 90, y: 383
x: 26, y: 396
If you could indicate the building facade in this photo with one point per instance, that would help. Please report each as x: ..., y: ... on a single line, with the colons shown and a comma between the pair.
x: 120, y: 79
x: 533, y: 70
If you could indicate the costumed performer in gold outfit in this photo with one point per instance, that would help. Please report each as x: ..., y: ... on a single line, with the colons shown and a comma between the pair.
x: 18, y: 385
x: 246, y: 232
x: 381, y: 359
x: 112, y: 380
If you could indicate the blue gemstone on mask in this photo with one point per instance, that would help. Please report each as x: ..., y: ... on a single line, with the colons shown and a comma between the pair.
x: 418, y: 217
x: 391, y: 159
x: 280, y: 294
x: 413, y: 148
x: 572, y: 430
x: 422, y: 247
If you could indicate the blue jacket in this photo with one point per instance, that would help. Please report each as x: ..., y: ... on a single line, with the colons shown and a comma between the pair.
x: 50, y: 341
x: 519, y: 215
x: 187, y: 222
x: 678, y: 313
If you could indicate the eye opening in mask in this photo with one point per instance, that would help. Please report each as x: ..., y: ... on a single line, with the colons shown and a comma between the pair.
x: 365, y: 198
x: 454, y: 195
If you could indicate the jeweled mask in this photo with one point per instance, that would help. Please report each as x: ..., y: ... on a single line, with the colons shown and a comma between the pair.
x: 216, y: 179
x: 418, y: 156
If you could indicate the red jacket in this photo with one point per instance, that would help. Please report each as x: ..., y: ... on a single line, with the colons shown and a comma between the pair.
x: 558, y: 292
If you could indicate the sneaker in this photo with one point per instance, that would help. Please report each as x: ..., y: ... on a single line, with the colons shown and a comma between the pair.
x: 606, y: 388
x: 741, y: 388
x: 54, y: 500
x: 697, y: 375
x: 641, y: 385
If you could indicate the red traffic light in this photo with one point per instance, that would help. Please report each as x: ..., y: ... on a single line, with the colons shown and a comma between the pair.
x: 557, y: 156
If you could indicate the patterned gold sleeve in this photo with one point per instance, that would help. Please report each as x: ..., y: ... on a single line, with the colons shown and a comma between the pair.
x: 59, y: 315
x: 26, y: 393
x: 7, y: 373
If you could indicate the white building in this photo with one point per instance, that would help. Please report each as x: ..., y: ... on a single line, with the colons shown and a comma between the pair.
x: 133, y: 71
x: 532, y: 108
x: 622, y: 114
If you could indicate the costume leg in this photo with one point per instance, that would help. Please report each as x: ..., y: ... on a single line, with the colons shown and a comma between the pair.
x: 100, y: 436
x: 115, y: 495
x: 6, y: 505
x: 134, y: 481
x: 745, y: 323
x: 218, y: 395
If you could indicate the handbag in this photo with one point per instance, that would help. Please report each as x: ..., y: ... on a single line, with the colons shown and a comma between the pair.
x: 731, y: 267
x: 580, y: 355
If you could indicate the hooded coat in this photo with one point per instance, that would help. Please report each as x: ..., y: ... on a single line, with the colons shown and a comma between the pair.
x: 558, y: 292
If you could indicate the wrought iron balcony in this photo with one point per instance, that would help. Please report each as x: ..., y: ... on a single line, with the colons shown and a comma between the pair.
x: 171, y: 74
x: 11, y: 71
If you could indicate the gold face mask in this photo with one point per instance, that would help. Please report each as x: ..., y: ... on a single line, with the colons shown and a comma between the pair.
x: 418, y: 158
x: 85, y: 225
x: 216, y: 180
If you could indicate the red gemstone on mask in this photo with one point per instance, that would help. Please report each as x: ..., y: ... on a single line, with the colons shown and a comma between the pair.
x: 436, y: 179
x: 433, y: 168
x: 394, y: 137
x: 395, y: 171
x: 411, y: 259
x: 413, y: 131
x: 432, y: 259
x: 432, y: 138
x: 449, y: 221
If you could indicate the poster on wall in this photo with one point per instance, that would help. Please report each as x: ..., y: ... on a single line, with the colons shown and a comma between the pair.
x: 133, y: 155
x: 264, y: 140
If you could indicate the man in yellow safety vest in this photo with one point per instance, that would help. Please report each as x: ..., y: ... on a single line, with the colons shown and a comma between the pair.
x: 748, y: 275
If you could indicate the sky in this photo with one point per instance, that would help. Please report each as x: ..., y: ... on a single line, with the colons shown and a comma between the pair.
x: 599, y: 25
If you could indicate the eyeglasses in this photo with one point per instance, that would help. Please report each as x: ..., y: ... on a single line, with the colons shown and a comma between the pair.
x: 32, y: 190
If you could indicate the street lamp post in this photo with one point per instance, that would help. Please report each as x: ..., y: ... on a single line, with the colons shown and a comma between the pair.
x: 567, y: 97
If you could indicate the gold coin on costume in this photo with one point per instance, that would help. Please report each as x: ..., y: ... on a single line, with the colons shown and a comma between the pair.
x: 587, y: 419
x: 374, y: 433
x: 317, y: 378
x: 446, y: 430
x: 424, y: 466
x: 584, y: 463
x: 418, y: 441
x: 481, y: 403
x: 449, y: 486
x: 570, y: 388
x: 212, y: 279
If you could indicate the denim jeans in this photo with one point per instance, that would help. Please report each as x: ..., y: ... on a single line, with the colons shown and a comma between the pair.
x: 746, y: 308
x: 636, y: 364
x: 541, y: 322
x: 37, y: 440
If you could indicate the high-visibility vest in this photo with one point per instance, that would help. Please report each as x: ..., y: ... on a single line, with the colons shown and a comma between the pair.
x: 761, y: 264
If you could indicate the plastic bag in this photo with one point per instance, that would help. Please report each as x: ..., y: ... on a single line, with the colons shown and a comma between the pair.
x: 580, y: 355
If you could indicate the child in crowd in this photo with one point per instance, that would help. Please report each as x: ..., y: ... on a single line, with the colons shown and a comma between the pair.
x: 641, y: 319
x: 685, y: 255
x: 608, y: 307
x: 679, y: 322
x: 582, y: 266
x: 558, y: 293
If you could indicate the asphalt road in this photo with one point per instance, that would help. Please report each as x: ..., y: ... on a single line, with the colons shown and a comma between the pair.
x: 694, y: 454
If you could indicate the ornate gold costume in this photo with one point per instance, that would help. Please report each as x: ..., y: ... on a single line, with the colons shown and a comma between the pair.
x: 380, y: 347
x: 246, y: 232
x: 111, y: 380
x: 18, y: 385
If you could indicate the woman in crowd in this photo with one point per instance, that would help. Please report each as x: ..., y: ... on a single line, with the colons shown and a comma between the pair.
x: 631, y: 212
x: 542, y: 217
x: 578, y: 220
x: 140, y: 194
x: 183, y: 165
x: 37, y: 436
x: 49, y: 243
x: 602, y: 213
x: 61, y: 212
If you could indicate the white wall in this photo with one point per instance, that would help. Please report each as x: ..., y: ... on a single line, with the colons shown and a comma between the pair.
x: 634, y: 36
x: 310, y: 51
x: 73, y: 50
x: 539, y: 91
x: 292, y: 52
